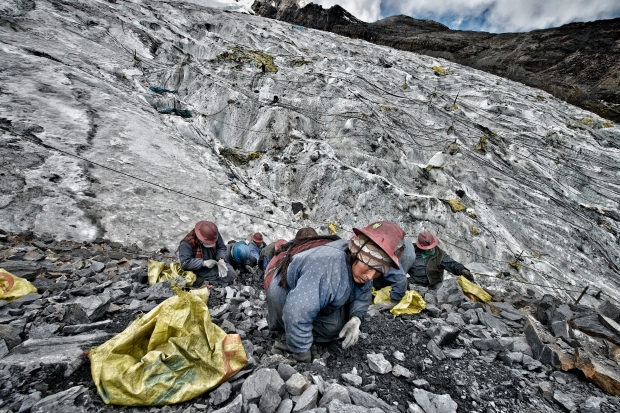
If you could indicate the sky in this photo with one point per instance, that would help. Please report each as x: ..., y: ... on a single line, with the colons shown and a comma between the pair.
x: 495, y: 16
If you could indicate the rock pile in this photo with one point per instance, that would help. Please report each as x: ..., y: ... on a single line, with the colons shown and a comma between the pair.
x: 512, y: 355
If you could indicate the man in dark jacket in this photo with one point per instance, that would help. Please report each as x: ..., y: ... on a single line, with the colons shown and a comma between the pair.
x: 425, y: 265
x: 324, y: 293
x: 203, y: 251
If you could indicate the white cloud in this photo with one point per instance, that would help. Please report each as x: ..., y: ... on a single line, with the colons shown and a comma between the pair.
x: 366, y: 10
x: 492, y: 15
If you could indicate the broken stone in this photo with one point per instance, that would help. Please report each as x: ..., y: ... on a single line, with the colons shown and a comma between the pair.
x: 435, y: 351
x: 561, y: 329
x: 4, y: 350
x: 488, y: 344
x: 493, y: 323
x: 430, y: 402
x: 297, y: 384
x: 233, y: 407
x: 22, y: 269
x: 221, y: 394
x: 352, y: 379
x: 610, y: 310
x: 378, y: 363
x: 564, y: 400
x: 269, y: 401
x: 610, y: 324
x: 546, y: 391
x: 86, y: 310
x: 591, y: 325
x: 26, y: 299
x: 96, y: 266
x: 83, y: 328
x: 63, y: 351
x: 64, y: 401
x: 286, y: 406
x: 369, y: 401
x: 335, y: 392
x: 286, y: 371
x: 256, y: 385
x: 443, y: 335
x: 544, y: 348
x: 307, y: 400
x: 10, y: 335
x: 591, y: 405
x: 162, y: 291
x: 337, y: 406
x: 606, y: 376
x: 454, y: 353
x: 400, y: 371
x: 449, y: 292
x: 43, y: 331
x: 456, y: 319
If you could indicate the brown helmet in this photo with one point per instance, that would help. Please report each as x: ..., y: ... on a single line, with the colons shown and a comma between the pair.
x: 257, y: 237
x: 307, y: 232
x: 388, y: 236
x: 426, y: 241
x: 206, y: 231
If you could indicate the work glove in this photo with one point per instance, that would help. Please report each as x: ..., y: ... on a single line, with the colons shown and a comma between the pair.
x: 467, y: 274
x: 385, y: 305
x: 222, y: 270
x: 303, y: 357
x: 250, y: 270
x: 209, y: 263
x: 350, y: 332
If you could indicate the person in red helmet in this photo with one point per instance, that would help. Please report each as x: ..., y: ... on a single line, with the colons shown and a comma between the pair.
x: 256, y: 246
x: 431, y: 261
x: 203, y: 251
x: 323, y: 293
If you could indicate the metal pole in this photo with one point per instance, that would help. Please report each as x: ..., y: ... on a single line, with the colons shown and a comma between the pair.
x: 581, y: 295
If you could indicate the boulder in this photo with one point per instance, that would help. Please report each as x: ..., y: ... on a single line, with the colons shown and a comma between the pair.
x: 449, y: 292
x: 591, y: 325
x: 256, y: 385
x: 604, y: 373
x: 333, y: 392
x: 434, y: 403
x: 544, y: 347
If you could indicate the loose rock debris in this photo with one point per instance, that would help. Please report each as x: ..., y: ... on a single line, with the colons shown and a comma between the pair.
x: 515, y: 354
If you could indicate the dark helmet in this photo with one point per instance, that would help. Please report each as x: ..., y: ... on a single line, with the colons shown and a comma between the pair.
x: 240, y: 252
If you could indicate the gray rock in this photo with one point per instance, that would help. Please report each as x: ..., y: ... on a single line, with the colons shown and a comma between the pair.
x: 307, y: 400
x: 564, y: 400
x: 431, y: 299
x: 362, y: 398
x: 286, y: 371
x: 433, y: 310
x: 435, y: 351
x: 23, y: 269
x: 233, y: 407
x: 352, y: 379
x: 83, y: 328
x: 400, y: 371
x: 10, y: 334
x: 96, y: 266
x: 561, y: 329
x: 544, y: 348
x: 221, y: 394
x: 297, y: 384
x: 378, y: 363
x: 64, y: 401
x: 493, y: 323
x: 492, y: 344
x: 456, y: 319
x: 610, y: 324
x: 398, y: 355
x: 450, y: 293
x: 420, y: 383
x: 414, y: 408
x: 26, y: 299
x: 318, y: 380
x: 161, y: 291
x: 89, y: 309
x: 515, y: 356
x: 443, y: 335
x: 63, y: 351
x: 4, y: 350
x: 337, y: 406
x: 511, y: 316
x: 433, y: 403
x: 286, y: 406
x: 256, y: 384
x: 454, y: 353
x: 270, y: 400
x: 29, y: 401
x: 43, y: 331
x: 252, y: 408
x: 591, y: 404
x: 608, y: 310
x: 470, y: 316
x: 335, y: 392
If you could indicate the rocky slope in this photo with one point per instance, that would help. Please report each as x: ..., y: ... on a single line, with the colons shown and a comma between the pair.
x: 517, y: 354
x: 578, y: 63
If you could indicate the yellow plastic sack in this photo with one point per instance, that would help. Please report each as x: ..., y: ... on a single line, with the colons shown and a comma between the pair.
x: 161, y: 271
x: 411, y: 303
x: 170, y: 355
x: 12, y: 287
x: 473, y: 291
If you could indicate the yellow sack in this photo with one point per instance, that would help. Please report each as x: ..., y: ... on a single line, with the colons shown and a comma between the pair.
x: 473, y: 291
x: 161, y: 271
x: 411, y: 303
x: 12, y: 287
x: 170, y: 355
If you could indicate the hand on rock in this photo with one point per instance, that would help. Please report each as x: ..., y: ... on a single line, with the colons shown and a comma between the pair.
x: 467, y: 274
x: 350, y: 332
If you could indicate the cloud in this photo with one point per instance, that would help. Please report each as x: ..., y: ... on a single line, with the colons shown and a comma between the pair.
x: 486, y: 15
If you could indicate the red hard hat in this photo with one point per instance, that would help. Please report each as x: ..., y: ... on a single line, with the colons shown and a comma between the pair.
x: 388, y: 236
x: 257, y: 237
x: 426, y: 241
x: 306, y: 232
x: 206, y: 231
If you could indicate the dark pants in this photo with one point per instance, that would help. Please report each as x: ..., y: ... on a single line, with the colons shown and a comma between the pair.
x: 325, y: 327
x: 211, y: 275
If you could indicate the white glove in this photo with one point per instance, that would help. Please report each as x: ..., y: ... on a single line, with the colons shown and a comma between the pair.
x: 222, y: 270
x: 209, y: 263
x: 350, y: 332
x: 250, y: 270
